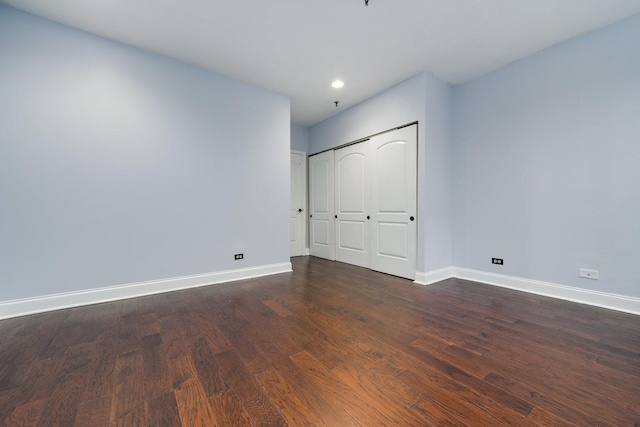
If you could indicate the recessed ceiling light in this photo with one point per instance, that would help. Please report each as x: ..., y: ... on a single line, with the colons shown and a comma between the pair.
x: 337, y: 84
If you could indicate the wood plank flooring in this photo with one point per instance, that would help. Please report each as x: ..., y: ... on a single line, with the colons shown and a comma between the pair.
x: 327, y: 345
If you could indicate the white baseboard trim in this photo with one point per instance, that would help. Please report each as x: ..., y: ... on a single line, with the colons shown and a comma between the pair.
x: 45, y: 303
x: 23, y: 307
x: 433, y: 276
x: 306, y: 252
x: 568, y: 293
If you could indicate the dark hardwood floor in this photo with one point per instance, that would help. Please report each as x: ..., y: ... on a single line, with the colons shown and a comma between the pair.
x: 328, y: 345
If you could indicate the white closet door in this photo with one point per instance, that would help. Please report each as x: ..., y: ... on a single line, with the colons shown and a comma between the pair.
x: 352, y: 204
x: 394, y: 202
x: 321, y: 206
x: 297, y: 215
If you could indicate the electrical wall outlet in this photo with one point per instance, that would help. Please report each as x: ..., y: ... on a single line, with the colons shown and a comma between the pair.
x: 238, y: 256
x: 589, y: 274
x: 498, y: 261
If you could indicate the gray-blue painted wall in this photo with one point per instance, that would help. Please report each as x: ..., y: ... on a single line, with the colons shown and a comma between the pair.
x: 547, y: 164
x: 300, y: 138
x: 120, y: 166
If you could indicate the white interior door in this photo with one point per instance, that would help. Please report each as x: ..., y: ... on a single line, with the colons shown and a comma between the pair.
x: 352, y: 204
x: 321, y: 206
x: 297, y: 208
x: 394, y: 202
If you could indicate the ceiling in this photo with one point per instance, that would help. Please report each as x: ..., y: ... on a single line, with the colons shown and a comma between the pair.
x: 298, y: 47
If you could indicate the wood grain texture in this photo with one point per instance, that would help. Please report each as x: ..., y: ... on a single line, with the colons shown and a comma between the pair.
x: 163, y: 411
x: 95, y: 412
x: 259, y: 407
x: 295, y: 410
x: 28, y: 414
x: 228, y: 408
x: 193, y: 406
x: 327, y: 345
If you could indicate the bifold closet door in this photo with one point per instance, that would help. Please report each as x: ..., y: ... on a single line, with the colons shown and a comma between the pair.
x: 321, y: 206
x: 352, y: 178
x: 394, y: 202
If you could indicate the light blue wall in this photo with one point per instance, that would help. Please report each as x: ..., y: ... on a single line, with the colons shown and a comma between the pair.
x: 547, y: 164
x: 426, y: 100
x: 436, y: 203
x: 300, y: 138
x: 120, y: 166
x: 399, y: 105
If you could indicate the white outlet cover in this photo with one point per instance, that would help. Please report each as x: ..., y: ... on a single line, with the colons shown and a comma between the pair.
x: 589, y: 274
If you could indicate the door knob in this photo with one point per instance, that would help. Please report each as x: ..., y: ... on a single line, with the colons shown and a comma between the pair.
x: 411, y: 218
x: 336, y: 216
x: 299, y: 210
x: 310, y: 216
x: 368, y: 217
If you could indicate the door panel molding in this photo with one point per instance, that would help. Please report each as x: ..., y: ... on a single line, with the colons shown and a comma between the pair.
x: 394, y: 202
x: 352, y: 170
x: 321, y: 206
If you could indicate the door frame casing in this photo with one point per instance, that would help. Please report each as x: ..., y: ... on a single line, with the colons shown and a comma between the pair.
x: 305, y: 202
